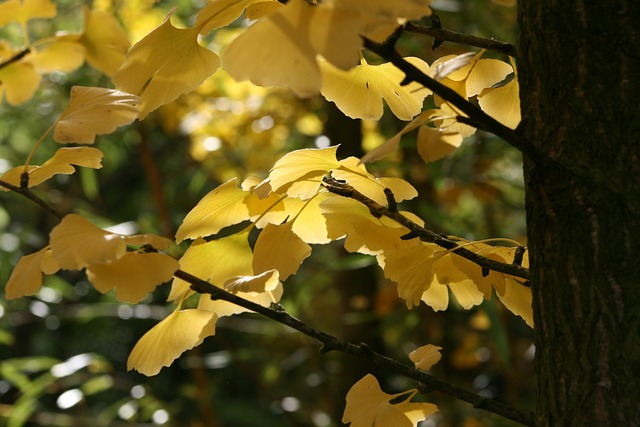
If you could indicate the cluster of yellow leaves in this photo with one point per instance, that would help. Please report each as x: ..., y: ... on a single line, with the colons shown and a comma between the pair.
x: 103, y: 44
x: 77, y: 244
x: 369, y: 406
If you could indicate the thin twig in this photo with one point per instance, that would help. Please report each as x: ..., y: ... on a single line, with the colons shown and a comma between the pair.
x: 342, y: 188
x: 442, y: 34
x: 29, y: 195
x: 331, y: 343
x: 475, y: 116
x: 15, y: 58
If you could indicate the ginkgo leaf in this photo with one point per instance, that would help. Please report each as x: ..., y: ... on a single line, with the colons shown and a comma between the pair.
x: 95, y: 111
x: 264, y: 282
x: 26, y: 278
x: 24, y: 10
x: 278, y: 247
x: 261, y: 9
x: 426, y: 356
x: 61, y: 55
x: 216, y: 261
x: 77, y: 243
x: 369, y: 406
x: 220, y: 13
x: 18, y: 82
x: 433, y: 144
x: 62, y: 162
x: 446, y: 65
x: 502, y: 103
x: 359, y: 92
x: 161, y: 345
x: 106, y: 43
x: 309, y: 223
x: 220, y: 208
x: 165, y: 64
x: 412, y: 268
x: 436, y: 296
x: 303, y: 163
x: 153, y: 240
x: 281, y: 48
x: 133, y: 275
x: 518, y: 299
x: 224, y: 308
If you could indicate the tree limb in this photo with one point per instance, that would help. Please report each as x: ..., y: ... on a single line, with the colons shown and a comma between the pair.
x: 29, y: 195
x: 442, y: 34
x: 330, y: 343
x: 343, y: 189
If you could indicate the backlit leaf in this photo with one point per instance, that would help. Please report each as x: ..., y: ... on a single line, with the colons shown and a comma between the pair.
x: 279, y: 248
x: 517, y: 298
x: 18, y: 82
x: 95, y: 111
x: 359, y: 92
x: 264, y: 282
x: 502, y: 103
x: 426, y: 356
x: 106, y: 43
x: 62, y: 162
x: 433, y: 144
x: 220, y: 13
x: 180, y: 331
x: 133, y: 275
x: 224, y: 308
x: 61, y: 55
x: 26, y: 278
x: 220, y: 208
x: 165, y: 64
x: 303, y: 163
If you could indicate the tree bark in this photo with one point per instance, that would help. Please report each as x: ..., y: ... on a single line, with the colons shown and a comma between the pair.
x: 579, y: 63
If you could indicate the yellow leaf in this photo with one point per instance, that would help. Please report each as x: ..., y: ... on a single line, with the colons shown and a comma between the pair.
x: 517, y: 298
x: 279, y: 248
x: 133, y: 275
x: 369, y: 406
x: 61, y: 55
x: 26, y: 278
x: 426, y: 356
x: 433, y: 144
x: 216, y: 261
x: 264, y: 282
x: 18, y: 82
x: 223, y: 308
x: 502, y: 103
x: 261, y: 9
x: 411, y: 267
x: 95, y: 111
x: 359, y: 92
x: 463, y: 287
x: 220, y: 13
x: 310, y: 224
x: 22, y: 11
x: 220, y: 208
x: 61, y: 163
x: 165, y: 64
x: 155, y: 241
x: 281, y: 48
x: 305, y: 163
x: 180, y: 331
x: 77, y: 243
x: 106, y: 42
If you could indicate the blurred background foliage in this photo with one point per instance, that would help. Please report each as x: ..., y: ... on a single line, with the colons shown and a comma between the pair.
x: 63, y: 352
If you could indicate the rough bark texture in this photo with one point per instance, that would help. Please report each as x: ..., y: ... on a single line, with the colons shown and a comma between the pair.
x: 579, y: 70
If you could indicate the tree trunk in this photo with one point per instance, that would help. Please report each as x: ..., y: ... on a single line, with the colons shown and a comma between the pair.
x: 579, y: 71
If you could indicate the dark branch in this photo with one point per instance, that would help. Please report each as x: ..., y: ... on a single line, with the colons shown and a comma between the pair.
x: 442, y: 34
x: 331, y: 343
x: 426, y: 235
x: 475, y: 116
x: 29, y: 195
x: 15, y: 58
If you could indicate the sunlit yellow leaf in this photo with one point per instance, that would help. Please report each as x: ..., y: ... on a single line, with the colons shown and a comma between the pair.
x: 26, y: 278
x: 368, y: 406
x: 310, y: 224
x: 165, y: 64
x: 220, y: 13
x: 433, y: 144
x: 303, y: 163
x: 281, y: 48
x: 426, y: 356
x: 359, y: 92
x: 436, y: 296
x: 264, y: 282
x: 261, y: 9
x: 61, y: 55
x: 22, y: 11
x: 220, y: 208
x: 133, y: 275
x: 223, y: 308
x: 411, y: 267
x: 61, y: 163
x: 166, y: 341
x: 77, y: 243
x: 95, y: 111
x: 463, y: 287
x: 106, y: 42
x: 502, y: 103
x: 517, y: 298
x: 157, y: 242
x: 18, y: 82
x: 279, y: 248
